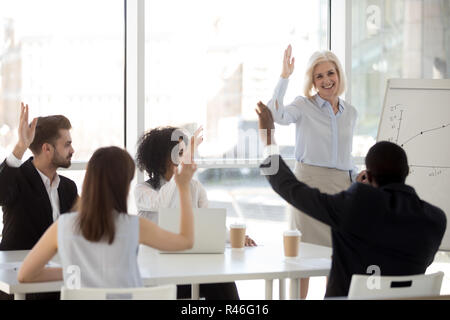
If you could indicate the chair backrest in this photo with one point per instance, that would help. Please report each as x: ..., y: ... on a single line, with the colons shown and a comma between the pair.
x: 166, y: 292
x: 386, y: 287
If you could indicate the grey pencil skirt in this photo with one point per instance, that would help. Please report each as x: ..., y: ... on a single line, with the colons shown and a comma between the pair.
x: 327, y: 180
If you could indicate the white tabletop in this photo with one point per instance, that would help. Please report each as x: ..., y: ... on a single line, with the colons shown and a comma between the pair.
x: 261, y: 262
x: 9, y: 264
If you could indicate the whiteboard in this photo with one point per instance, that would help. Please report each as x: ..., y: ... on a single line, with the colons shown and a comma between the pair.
x: 416, y: 116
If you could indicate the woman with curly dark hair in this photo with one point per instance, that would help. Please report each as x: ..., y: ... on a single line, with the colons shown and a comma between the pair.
x: 159, y: 150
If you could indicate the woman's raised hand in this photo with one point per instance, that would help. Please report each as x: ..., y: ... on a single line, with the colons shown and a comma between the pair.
x: 198, y: 137
x: 195, y: 142
x: 288, y: 63
x: 184, y: 176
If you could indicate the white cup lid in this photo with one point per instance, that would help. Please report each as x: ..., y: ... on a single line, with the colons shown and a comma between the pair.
x: 291, y: 233
x: 237, y: 225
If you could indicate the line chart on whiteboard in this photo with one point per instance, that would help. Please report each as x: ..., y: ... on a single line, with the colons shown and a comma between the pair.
x: 417, y: 139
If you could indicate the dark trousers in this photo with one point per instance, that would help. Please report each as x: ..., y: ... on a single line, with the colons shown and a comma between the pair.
x: 210, y: 291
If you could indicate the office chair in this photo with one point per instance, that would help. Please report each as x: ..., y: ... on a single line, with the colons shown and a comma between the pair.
x: 422, y: 285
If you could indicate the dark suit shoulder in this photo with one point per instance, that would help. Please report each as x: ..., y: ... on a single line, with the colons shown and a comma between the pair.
x: 11, y: 179
x: 68, y: 185
x: 433, y: 209
x: 28, y: 164
x: 68, y: 194
x: 364, y: 191
x: 66, y: 180
x: 30, y: 172
x: 5, y: 167
x: 436, y: 214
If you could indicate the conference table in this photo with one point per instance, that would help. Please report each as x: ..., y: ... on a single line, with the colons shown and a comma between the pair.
x: 265, y: 262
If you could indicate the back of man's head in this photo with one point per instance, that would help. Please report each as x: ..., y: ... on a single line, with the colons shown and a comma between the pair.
x: 387, y: 163
x: 47, y: 131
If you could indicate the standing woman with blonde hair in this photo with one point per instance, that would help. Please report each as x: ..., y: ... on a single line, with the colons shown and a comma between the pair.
x: 324, y: 126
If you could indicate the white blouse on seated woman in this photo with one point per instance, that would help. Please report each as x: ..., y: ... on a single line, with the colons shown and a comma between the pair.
x: 149, y: 200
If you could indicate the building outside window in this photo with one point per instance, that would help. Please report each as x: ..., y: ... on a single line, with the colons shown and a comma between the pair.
x: 407, y: 39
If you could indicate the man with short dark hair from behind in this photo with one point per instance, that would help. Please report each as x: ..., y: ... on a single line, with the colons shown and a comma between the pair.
x: 32, y: 194
x: 379, y: 223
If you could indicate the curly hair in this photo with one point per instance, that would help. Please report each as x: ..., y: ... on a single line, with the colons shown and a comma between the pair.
x: 155, y: 149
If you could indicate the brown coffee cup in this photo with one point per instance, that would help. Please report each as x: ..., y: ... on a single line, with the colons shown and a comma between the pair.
x: 291, y: 242
x: 237, y: 235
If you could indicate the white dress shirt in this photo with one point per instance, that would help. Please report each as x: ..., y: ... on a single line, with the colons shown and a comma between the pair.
x: 51, y: 187
x: 322, y: 138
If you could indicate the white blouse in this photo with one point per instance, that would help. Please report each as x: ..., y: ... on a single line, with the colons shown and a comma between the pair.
x: 323, y: 138
x: 100, y: 264
x: 149, y: 200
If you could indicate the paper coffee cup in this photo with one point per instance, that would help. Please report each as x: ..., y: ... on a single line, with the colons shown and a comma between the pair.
x: 291, y: 242
x: 237, y: 235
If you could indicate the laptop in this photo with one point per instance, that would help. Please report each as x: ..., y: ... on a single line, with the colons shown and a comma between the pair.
x: 209, y: 228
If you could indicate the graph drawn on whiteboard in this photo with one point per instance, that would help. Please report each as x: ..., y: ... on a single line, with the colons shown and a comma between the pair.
x: 424, y: 138
x: 416, y: 116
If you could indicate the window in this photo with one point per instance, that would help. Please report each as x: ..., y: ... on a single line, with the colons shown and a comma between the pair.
x: 210, y: 61
x: 394, y: 39
x: 63, y: 57
x: 207, y: 64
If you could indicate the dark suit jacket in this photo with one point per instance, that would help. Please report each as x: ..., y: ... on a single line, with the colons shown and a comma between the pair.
x: 388, y: 227
x: 27, y: 211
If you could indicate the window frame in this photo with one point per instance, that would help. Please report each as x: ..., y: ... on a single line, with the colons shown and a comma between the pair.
x: 338, y: 39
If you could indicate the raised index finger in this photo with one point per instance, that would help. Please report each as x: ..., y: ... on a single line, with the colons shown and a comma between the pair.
x: 22, y: 111
x: 192, y: 149
x: 25, y: 116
